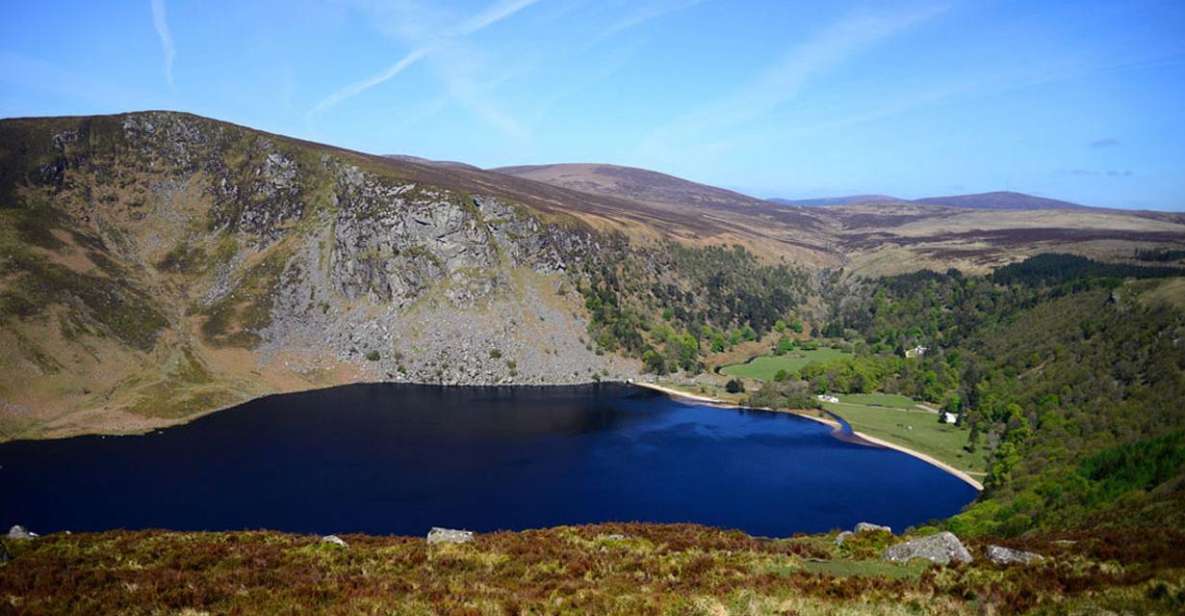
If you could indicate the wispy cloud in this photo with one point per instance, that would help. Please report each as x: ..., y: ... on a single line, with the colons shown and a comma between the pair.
x: 647, y: 12
x: 783, y: 80
x: 1110, y: 173
x: 1105, y: 142
x: 160, y: 21
x: 475, y: 23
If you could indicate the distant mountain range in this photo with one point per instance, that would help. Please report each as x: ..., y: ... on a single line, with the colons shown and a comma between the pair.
x: 1000, y: 200
x: 845, y: 200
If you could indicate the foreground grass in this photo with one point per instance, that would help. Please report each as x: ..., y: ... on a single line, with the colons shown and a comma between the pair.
x: 914, y: 428
x: 603, y: 569
x: 764, y: 368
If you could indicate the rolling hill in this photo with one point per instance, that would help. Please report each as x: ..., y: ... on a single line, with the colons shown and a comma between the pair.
x: 1002, y: 200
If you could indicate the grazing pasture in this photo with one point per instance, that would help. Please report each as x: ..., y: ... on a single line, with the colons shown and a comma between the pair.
x: 765, y: 367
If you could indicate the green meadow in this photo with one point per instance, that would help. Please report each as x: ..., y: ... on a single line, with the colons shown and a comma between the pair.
x: 765, y: 367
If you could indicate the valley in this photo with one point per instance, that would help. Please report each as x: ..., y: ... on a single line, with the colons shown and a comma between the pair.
x: 158, y: 267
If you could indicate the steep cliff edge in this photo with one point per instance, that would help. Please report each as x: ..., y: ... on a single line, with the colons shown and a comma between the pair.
x: 155, y: 266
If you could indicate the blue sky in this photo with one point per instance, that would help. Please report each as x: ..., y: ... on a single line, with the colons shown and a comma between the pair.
x: 1078, y: 100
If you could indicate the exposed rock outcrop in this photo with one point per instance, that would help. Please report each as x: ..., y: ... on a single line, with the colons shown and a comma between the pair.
x: 942, y: 548
x: 334, y: 540
x: 448, y: 535
x: 1008, y: 556
x: 19, y: 533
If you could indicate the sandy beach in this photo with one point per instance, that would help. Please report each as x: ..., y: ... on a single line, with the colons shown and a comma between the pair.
x: 675, y: 393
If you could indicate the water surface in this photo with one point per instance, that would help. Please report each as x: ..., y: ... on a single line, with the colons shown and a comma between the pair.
x: 399, y: 459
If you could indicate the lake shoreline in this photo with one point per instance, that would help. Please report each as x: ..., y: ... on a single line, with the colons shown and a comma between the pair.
x: 152, y: 426
x: 860, y: 436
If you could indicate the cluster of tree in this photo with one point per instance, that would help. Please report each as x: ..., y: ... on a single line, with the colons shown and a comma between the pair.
x: 934, y: 378
x: 669, y: 307
x: 1058, y: 269
x: 1160, y: 255
x: 1052, y: 362
x: 786, y: 394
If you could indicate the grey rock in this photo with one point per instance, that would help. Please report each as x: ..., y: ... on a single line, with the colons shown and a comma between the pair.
x: 864, y: 527
x: 1008, y: 556
x: 335, y: 540
x: 842, y: 537
x: 448, y: 535
x: 942, y: 548
x: 18, y: 533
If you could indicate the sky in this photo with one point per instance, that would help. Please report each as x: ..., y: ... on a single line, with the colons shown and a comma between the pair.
x: 1077, y: 100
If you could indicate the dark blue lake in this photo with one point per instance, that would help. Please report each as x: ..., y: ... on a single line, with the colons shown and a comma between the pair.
x: 399, y: 459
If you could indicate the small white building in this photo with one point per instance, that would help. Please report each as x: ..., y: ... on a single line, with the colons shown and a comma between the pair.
x: 827, y: 398
x: 950, y: 418
x: 917, y: 351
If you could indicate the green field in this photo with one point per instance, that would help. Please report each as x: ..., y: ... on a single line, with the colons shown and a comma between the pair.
x: 894, y: 401
x: 765, y: 367
x: 913, y: 428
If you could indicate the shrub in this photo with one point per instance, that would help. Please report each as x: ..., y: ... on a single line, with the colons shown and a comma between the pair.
x: 373, y: 356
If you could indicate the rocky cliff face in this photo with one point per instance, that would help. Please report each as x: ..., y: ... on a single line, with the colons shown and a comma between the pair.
x: 244, y: 263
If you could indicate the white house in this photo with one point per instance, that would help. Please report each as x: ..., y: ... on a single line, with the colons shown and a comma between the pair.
x: 950, y: 418
x: 917, y: 351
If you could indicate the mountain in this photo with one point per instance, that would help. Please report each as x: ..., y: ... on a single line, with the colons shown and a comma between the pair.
x: 983, y: 201
x: 846, y: 200
x: 157, y: 265
x: 879, y: 234
x: 1002, y: 200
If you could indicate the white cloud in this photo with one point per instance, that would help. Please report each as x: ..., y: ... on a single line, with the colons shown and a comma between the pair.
x: 780, y: 82
x: 475, y: 23
x: 161, y: 23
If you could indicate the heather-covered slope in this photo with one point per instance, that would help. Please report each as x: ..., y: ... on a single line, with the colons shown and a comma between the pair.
x: 622, y: 569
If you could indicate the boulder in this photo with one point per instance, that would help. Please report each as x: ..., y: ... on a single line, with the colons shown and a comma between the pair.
x: 448, y: 535
x: 865, y: 527
x: 335, y: 540
x: 1008, y: 556
x: 941, y: 548
x: 842, y: 537
x: 18, y: 532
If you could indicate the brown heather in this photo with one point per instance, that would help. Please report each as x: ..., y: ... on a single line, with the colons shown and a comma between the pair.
x: 655, y: 569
